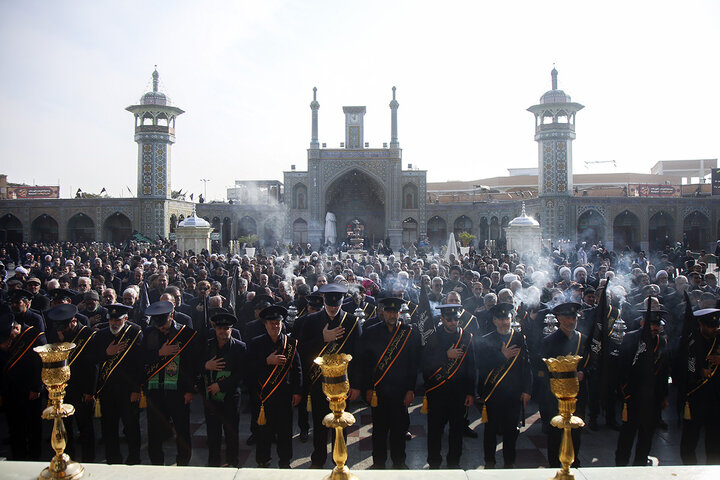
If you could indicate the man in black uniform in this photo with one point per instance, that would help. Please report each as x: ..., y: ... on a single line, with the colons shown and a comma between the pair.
x: 313, y: 304
x: 275, y: 378
x: 566, y: 341
x: 118, y: 352
x: 449, y: 372
x: 389, y: 353
x: 643, y: 369
x: 20, y: 386
x: 170, y: 358
x: 504, y: 368
x: 702, y: 387
x: 225, y: 359
x: 82, y: 385
x: 328, y: 331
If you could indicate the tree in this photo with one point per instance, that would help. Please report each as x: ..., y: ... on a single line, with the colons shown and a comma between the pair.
x: 465, y: 238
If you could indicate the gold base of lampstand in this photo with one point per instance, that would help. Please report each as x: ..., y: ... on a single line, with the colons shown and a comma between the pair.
x: 69, y: 470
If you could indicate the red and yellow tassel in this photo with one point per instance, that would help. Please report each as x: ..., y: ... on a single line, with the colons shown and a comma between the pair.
x: 686, y: 414
x: 374, y: 400
x: 483, y: 415
x: 424, y: 408
x: 143, y: 400
x: 625, y: 412
x: 308, y: 407
x: 261, y: 417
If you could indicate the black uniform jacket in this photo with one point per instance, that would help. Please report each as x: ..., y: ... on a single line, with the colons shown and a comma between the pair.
x: 83, y: 369
x: 153, y: 339
x: 401, y: 376
x: 259, y: 349
x: 644, y: 371
x: 311, y: 342
x: 434, y: 356
x: 234, y: 352
x: 20, y: 372
x: 503, y: 379
x: 126, y: 375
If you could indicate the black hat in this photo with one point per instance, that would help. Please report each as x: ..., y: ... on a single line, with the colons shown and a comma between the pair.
x: 333, y: 293
x: 7, y: 321
x: 117, y: 310
x: 214, y: 311
x: 159, y: 312
x: 656, y: 316
x: 19, y: 293
x: 91, y: 295
x: 62, y: 314
x: 567, y: 309
x: 61, y: 293
x: 708, y: 316
x: 314, y: 300
x: 273, y: 312
x: 392, y: 304
x: 224, y: 319
x: 449, y: 310
x: 262, y: 301
x: 502, y: 310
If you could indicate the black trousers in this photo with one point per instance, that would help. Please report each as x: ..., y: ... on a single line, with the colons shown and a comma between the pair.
x: 628, y: 431
x: 445, y: 409
x: 24, y: 427
x: 303, y: 415
x: 162, y: 408
x: 278, y: 424
x: 83, y: 417
x: 691, y: 436
x: 603, y: 397
x: 116, y: 406
x: 502, y: 420
x: 320, y: 408
x: 390, y: 419
x: 222, y: 416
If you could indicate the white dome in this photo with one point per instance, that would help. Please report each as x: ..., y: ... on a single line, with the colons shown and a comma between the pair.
x: 523, y: 220
x: 194, y: 221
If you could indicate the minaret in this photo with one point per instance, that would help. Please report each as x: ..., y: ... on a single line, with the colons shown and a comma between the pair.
x: 554, y: 132
x: 393, y: 122
x: 154, y: 134
x: 314, y: 106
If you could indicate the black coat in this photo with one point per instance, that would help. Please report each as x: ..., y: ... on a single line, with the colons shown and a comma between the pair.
x: 434, y: 356
x: 234, y: 352
x: 259, y: 349
x: 129, y: 374
x: 518, y: 378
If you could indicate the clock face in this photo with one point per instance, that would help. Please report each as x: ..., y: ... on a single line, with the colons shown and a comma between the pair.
x: 354, y: 118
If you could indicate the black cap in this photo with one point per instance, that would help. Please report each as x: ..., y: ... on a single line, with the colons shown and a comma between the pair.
x: 502, y: 310
x: 333, y: 293
x: 61, y: 293
x: 213, y: 312
x: 392, y: 304
x: 273, y: 312
x: 656, y: 316
x: 7, y: 321
x: 159, y: 312
x: 117, y: 310
x: 62, y: 314
x: 314, y: 300
x: 262, y: 301
x: 224, y: 319
x: 449, y: 309
x: 567, y: 309
x: 19, y: 293
x: 708, y: 316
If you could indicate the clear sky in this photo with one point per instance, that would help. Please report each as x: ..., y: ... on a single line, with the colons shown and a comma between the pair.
x: 646, y: 71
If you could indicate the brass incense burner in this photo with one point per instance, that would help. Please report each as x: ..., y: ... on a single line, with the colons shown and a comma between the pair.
x: 55, y: 375
x: 565, y: 386
x: 336, y: 387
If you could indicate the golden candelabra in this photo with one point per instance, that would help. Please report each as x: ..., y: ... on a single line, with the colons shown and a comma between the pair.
x: 565, y: 386
x: 336, y: 387
x: 55, y: 375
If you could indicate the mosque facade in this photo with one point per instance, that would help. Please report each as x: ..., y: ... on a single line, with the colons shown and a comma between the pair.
x: 369, y: 186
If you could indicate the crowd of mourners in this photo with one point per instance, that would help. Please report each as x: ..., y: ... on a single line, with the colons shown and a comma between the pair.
x: 155, y: 329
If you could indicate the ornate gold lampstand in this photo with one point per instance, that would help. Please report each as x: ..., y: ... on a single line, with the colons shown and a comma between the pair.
x: 565, y: 385
x: 55, y: 375
x: 336, y: 387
